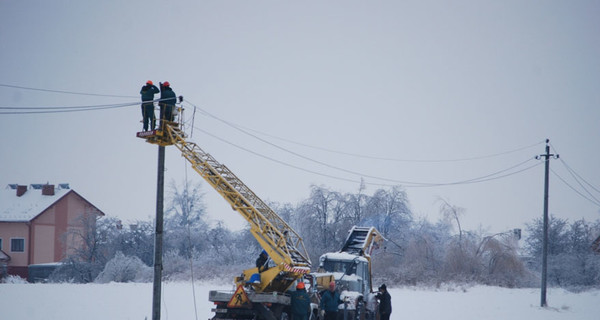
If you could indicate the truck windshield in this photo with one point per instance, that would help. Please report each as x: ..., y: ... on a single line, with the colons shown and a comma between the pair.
x: 346, y: 267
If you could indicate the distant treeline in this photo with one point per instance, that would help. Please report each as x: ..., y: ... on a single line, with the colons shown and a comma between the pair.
x: 416, y: 251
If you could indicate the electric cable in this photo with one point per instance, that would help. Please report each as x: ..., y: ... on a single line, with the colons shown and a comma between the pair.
x: 39, y: 110
x: 189, y: 236
x: 65, y: 92
x: 63, y: 109
x: 242, y: 128
x: 596, y: 202
x: 317, y: 161
x: 577, y: 179
x: 281, y: 162
x: 488, y: 177
x: 359, y: 173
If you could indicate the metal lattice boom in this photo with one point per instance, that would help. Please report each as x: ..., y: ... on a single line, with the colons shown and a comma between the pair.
x: 285, y: 245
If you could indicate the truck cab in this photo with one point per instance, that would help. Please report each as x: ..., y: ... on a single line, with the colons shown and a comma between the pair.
x: 351, y: 273
x: 350, y: 268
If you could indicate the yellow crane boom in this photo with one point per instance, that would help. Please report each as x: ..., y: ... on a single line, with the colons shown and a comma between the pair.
x: 282, y: 243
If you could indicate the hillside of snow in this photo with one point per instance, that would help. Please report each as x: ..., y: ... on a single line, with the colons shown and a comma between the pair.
x: 134, y: 301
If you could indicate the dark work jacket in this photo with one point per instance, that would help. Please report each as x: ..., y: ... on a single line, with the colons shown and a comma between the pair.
x: 300, y: 303
x: 330, y: 301
x: 148, y: 92
x: 168, y: 94
x: 260, y: 262
x: 385, y: 302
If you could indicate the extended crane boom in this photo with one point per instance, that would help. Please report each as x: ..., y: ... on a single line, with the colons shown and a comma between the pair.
x: 283, y: 245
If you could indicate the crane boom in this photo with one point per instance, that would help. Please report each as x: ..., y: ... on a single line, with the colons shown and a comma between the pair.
x: 281, y: 242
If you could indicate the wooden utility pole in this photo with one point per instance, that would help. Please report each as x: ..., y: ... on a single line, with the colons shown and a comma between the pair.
x: 546, y: 157
x: 158, y: 235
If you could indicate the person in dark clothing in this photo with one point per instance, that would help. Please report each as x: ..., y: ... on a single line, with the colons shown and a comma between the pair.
x: 168, y: 98
x: 385, y: 303
x: 300, y: 303
x: 147, y: 92
x: 330, y: 301
x: 261, y: 261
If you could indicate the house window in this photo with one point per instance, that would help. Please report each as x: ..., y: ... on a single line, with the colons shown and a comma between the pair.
x: 17, y: 245
x: 0, y: 243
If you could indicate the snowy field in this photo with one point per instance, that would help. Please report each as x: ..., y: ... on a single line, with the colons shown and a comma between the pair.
x: 134, y: 301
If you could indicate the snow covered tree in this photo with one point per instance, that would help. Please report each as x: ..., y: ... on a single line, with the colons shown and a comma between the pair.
x: 571, y: 262
x: 85, y: 261
x: 321, y: 221
x: 185, y: 228
x: 389, y: 212
x: 122, y: 268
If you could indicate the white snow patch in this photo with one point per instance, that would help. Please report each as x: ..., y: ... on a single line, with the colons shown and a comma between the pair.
x: 134, y: 301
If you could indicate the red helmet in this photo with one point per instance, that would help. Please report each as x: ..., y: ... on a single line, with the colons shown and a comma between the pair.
x: 166, y: 84
x: 149, y: 82
x: 300, y: 285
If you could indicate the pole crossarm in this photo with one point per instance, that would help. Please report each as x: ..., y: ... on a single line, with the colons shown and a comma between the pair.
x: 285, y: 245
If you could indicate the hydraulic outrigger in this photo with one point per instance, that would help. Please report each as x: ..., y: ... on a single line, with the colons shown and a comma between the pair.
x: 282, y: 243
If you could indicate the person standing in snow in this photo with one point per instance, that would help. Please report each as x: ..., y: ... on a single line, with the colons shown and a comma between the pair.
x: 330, y: 301
x: 167, y: 101
x: 385, y: 303
x: 147, y: 92
x: 300, y: 303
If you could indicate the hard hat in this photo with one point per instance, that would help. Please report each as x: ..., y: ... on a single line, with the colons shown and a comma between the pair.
x: 166, y: 83
x: 149, y: 82
x: 300, y: 285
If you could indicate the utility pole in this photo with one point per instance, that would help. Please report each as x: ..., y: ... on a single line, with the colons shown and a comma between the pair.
x: 546, y: 157
x: 158, y: 235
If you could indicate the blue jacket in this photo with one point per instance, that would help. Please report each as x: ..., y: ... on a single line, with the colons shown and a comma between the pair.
x: 330, y: 301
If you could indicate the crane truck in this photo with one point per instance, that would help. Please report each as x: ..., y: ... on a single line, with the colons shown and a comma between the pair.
x: 350, y: 268
x: 259, y: 294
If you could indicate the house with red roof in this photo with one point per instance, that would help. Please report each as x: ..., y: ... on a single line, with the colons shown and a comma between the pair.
x: 39, y: 224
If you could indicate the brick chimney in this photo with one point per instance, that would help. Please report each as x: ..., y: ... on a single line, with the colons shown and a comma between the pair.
x: 21, y: 190
x: 48, y: 190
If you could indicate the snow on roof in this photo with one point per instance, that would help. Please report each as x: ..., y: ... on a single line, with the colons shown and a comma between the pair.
x: 27, y: 206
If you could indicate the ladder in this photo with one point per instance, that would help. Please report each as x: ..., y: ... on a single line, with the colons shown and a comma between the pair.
x: 362, y: 240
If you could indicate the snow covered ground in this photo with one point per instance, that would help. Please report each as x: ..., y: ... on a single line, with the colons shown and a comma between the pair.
x: 134, y: 301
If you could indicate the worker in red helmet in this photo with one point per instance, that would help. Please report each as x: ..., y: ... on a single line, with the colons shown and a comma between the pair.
x: 330, y: 300
x: 147, y: 92
x: 300, y: 303
x: 168, y: 98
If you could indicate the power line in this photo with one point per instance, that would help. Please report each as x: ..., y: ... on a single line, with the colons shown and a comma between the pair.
x: 243, y: 128
x: 594, y: 201
x: 41, y: 110
x: 63, y: 109
x: 578, y: 178
x: 411, y: 183
x: 281, y: 162
x: 485, y: 178
x: 65, y: 92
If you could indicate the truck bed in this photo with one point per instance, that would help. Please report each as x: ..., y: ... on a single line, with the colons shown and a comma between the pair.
x: 274, y: 297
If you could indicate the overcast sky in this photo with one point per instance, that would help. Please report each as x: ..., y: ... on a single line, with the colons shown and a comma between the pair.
x: 334, y: 87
